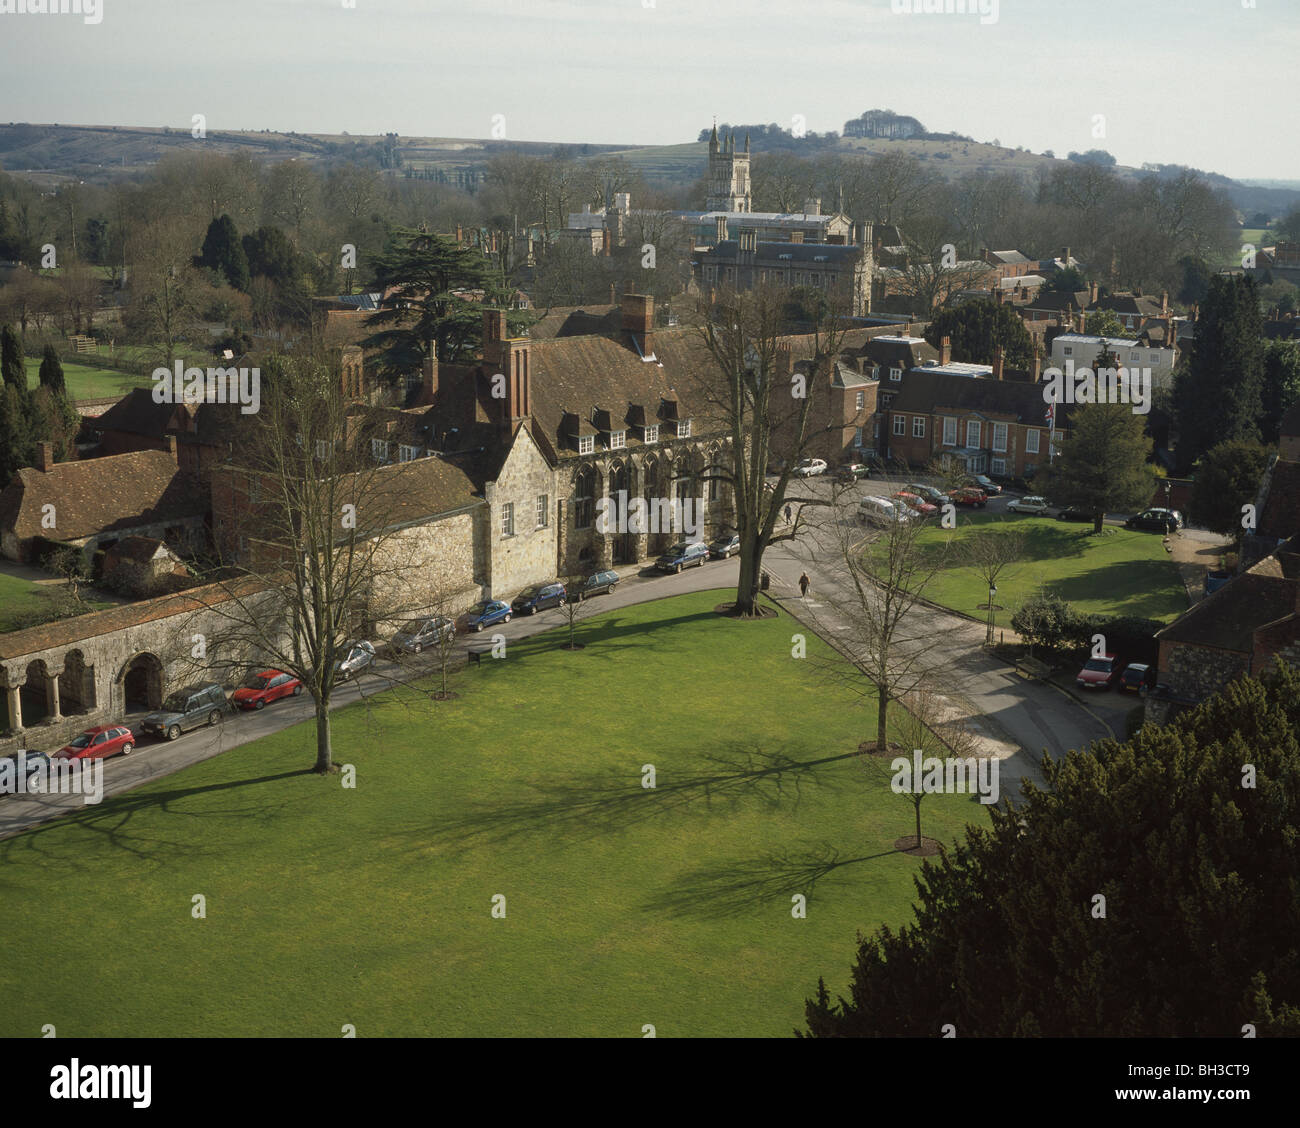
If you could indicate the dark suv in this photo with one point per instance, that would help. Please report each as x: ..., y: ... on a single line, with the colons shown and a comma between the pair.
x: 681, y: 556
x: 538, y: 598
x: 186, y: 709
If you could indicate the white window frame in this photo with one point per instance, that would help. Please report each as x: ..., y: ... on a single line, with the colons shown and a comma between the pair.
x: 1066, y: 350
x: 950, y: 430
x: 683, y: 428
x: 379, y: 450
x: 857, y: 437
x: 999, y: 466
x: 896, y: 374
x: 508, y: 519
x: 860, y: 401
x: 1000, y: 438
x: 900, y: 426
x: 324, y: 448
x: 407, y: 453
x: 977, y: 432
x: 586, y: 444
x: 543, y: 510
x: 617, y: 440
x: 652, y: 433
x: 1031, y: 440
x: 918, y: 426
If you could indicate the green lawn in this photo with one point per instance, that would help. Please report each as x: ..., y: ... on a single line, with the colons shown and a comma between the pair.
x: 88, y: 383
x: 372, y: 905
x: 1119, y: 572
x: 19, y: 597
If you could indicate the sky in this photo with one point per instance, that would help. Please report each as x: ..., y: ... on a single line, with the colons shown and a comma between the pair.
x: 1207, y: 83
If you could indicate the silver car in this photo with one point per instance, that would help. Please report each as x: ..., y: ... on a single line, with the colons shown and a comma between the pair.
x: 358, y: 656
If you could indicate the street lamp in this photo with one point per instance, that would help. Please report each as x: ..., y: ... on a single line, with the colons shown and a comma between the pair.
x: 993, y: 590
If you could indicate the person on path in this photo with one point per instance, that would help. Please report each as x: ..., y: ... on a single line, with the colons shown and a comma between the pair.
x: 804, y: 581
x: 787, y: 514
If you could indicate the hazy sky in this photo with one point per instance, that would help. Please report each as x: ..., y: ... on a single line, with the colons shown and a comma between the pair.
x: 1210, y: 83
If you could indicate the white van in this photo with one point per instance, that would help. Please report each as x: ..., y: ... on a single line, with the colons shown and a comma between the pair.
x: 881, y: 511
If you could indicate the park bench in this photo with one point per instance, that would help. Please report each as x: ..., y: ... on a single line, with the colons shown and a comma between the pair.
x: 1032, y: 668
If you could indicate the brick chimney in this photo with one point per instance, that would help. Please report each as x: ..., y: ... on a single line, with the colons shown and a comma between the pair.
x: 999, y: 361
x: 1037, y: 371
x: 516, y: 364
x: 748, y: 243
x: 429, y: 373
x: 639, y: 321
x: 945, y: 350
x: 45, y: 456
x: 1092, y: 293
x: 606, y: 243
x: 494, y: 332
x: 1065, y: 257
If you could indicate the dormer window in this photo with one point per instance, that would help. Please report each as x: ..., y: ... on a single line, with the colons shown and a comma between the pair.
x: 617, y: 440
x: 379, y: 450
x: 896, y: 374
x: 586, y: 444
x: 683, y: 428
x: 408, y: 453
x: 652, y: 433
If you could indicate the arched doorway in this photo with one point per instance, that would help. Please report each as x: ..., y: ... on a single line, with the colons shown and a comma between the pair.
x: 142, y: 682
x: 34, y: 696
x: 77, y: 685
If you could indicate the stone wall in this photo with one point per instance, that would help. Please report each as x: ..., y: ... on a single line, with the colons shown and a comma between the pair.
x: 528, y: 556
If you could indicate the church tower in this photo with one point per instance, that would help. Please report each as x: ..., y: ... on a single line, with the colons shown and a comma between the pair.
x: 728, y: 175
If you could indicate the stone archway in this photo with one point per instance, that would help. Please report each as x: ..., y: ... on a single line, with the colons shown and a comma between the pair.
x: 76, y: 685
x: 34, y: 695
x: 141, y: 683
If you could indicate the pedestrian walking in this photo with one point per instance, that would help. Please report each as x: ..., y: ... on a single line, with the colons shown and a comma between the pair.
x: 787, y: 514
x: 804, y: 581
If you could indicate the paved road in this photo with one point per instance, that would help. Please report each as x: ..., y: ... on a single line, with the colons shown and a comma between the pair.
x: 1020, y: 719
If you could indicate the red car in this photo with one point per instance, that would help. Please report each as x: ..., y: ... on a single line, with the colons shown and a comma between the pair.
x: 96, y: 743
x: 916, y: 503
x: 1100, y: 673
x: 260, y: 689
x: 969, y: 495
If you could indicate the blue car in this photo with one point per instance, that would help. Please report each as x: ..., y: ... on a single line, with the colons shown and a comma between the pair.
x: 486, y: 613
x: 538, y: 598
x: 681, y: 556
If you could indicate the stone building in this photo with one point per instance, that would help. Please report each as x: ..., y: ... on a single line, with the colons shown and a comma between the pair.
x: 728, y: 175
x: 744, y: 264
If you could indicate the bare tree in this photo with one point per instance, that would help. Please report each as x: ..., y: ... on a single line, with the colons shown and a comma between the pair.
x: 760, y: 395
x: 989, y: 551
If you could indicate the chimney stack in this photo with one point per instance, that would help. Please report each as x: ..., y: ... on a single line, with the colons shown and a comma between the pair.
x: 945, y: 350
x: 494, y: 332
x: 516, y: 359
x: 429, y: 373
x: 1092, y: 293
x: 722, y: 229
x: 639, y: 321
x: 605, y: 242
x: 1065, y: 257
x: 1164, y: 303
x: 1037, y: 371
x: 45, y: 456
x: 999, y: 360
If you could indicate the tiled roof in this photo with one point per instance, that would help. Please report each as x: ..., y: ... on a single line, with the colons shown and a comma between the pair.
x: 1228, y: 618
x: 121, y: 491
x: 1280, y: 514
x: 575, y: 321
x: 136, y: 413
x: 929, y: 390
x: 814, y: 253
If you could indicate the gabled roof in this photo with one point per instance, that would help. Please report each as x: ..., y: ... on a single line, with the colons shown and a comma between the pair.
x: 1279, y: 517
x: 806, y: 253
x: 97, y: 495
x: 1228, y: 618
x: 136, y: 413
x: 1010, y: 258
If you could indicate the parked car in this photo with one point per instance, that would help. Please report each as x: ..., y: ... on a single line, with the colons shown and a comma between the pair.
x: 722, y: 547
x: 881, y: 511
x: 32, y: 763
x: 973, y: 496
x: 1099, y: 673
x: 538, y: 598
x: 486, y: 613
x: 1031, y: 504
x: 186, y: 709
x: 852, y: 471
x: 1156, y: 520
x: 683, y: 555
x: 809, y: 467
x: 598, y: 583
x: 98, y: 743
x: 1074, y: 513
x: 420, y: 634
x: 987, y: 484
x: 260, y: 690
x: 915, y: 504
x: 1136, y: 675
x: 358, y: 656
x: 927, y: 493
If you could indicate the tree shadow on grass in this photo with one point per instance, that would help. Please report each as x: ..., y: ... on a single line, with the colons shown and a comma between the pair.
x: 113, y: 819
x: 736, y: 888
x: 593, y: 805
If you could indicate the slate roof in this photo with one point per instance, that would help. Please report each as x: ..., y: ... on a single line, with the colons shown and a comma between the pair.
x: 927, y: 390
x: 136, y: 413
x: 1279, y: 517
x: 575, y: 321
x: 1228, y: 618
x: 1010, y: 258
x: 810, y: 253
x: 97, y: 495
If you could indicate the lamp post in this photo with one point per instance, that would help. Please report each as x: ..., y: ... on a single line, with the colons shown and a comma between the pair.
x: 988, y: 640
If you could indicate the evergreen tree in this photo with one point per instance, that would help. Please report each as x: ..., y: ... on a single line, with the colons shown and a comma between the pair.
x: 1218, y: 393
x: 1103, y: 465
x: 51, y: 418
x: 224, y: 253
x: 1187, y: 831
x: 1226, y: 479
x: 51, y: 374
x: 12, y: 366
x: 16, y: 446
x: 1281, y: 385
x: 977, y: 328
